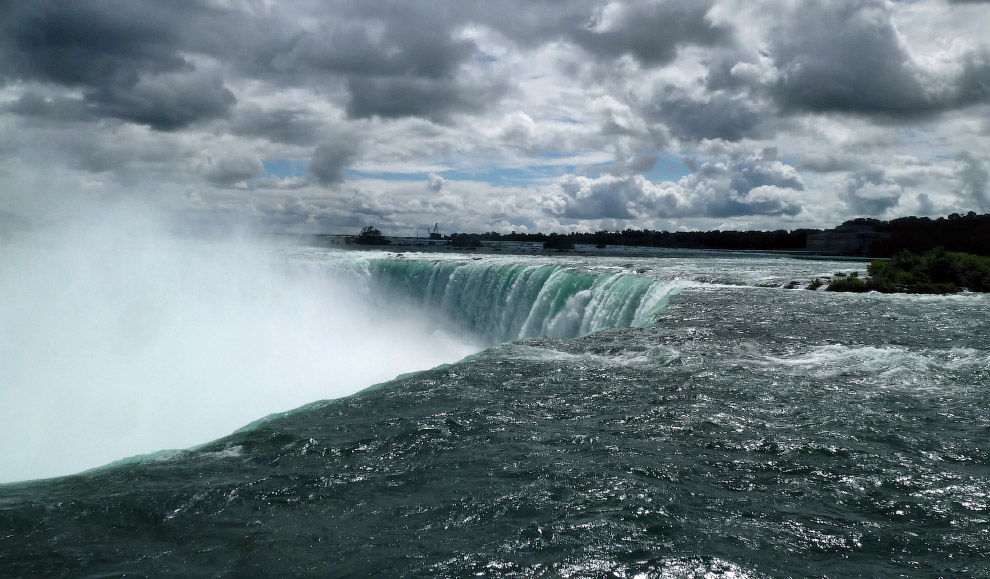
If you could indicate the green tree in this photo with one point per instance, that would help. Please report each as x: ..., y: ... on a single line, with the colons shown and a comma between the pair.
x: 558, y: 242
x: 370, y: 236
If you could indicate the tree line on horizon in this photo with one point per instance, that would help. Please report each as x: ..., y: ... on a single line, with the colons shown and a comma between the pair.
x: 968, y: 233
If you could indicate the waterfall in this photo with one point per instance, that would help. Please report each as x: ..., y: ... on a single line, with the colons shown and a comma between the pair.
x: 500, y: 301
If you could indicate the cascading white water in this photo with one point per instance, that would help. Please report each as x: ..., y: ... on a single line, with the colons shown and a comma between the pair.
x: 501, y: 301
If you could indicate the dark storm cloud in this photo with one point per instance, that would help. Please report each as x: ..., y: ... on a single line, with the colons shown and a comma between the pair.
x: 606, y: 199
x: 871, y: 192
x: 435, y: 182
x: 133, y: 61
x: 125, y: 56
x: 736, y: 101
x: 89, y: 43
x: 974, y: 82
x: 230, y: 171
x: 433, y: 99
x: 289, y: 126
x: 974, y: 177
x: 724, y: 208
x: 394, y: 45
x: 841, y: 56
x: 713, y: 115
x: 638, y: 163
x: 61, y: 109
x: 846, y: 56
x: 528, y: 23
x: 830, y: 163
x: 365, y: 203
x: 402, y: 60
x: 165, y: 102
x: 650, y: 31
x: 515, y: 82
x: 331, y: 158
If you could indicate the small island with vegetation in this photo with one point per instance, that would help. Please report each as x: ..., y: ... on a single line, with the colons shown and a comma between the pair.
x: 369, y: 236
x: 556, y: 242
x: 935, y: 272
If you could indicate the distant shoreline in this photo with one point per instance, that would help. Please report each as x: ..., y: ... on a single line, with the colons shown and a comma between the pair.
x: 852, y: 240
x: 400, y: 245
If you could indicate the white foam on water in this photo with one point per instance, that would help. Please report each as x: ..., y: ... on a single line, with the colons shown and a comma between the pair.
x: 651, y: 357
x: 840, y: 358
x: 892, y: 364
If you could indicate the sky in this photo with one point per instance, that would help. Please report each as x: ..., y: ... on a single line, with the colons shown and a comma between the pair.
x: 517, y: 115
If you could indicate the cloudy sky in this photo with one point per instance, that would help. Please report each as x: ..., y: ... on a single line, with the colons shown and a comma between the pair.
x: 527, y: 115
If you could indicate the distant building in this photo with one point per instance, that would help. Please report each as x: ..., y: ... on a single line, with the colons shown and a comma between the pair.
x: 845, y: 240
x: 435, y: 232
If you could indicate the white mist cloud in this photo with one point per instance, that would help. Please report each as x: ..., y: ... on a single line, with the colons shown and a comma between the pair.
x: 117, y: 339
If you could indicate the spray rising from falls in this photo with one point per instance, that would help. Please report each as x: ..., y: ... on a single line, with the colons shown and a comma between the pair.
x: 499, y: 301
x: 117, y: 341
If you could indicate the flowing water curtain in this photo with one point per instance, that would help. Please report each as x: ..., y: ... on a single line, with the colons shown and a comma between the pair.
x: 508, y: 301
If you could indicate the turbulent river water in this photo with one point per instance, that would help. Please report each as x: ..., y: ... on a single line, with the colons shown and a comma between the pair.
x: 678, y: 416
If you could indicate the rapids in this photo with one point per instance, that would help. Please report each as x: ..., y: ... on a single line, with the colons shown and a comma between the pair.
x: 664, y: 417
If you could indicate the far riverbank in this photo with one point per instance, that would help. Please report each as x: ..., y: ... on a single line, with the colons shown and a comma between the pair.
x: 422, y: 245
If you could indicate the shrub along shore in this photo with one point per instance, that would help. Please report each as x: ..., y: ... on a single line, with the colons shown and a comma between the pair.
x: 935, y: 272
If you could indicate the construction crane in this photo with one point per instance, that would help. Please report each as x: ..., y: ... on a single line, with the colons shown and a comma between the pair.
x: 435, y: 232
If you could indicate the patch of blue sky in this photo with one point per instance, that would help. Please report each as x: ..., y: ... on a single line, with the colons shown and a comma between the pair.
x: 552, y: 155
x: 508, y: 175
x: 285, y: 168
x: 668, y: 168
x: 354, y: 174
x: 496, y: 176
x: 549, y: 166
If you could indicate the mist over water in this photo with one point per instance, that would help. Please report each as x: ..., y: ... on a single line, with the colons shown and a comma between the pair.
x: 117, y: 338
